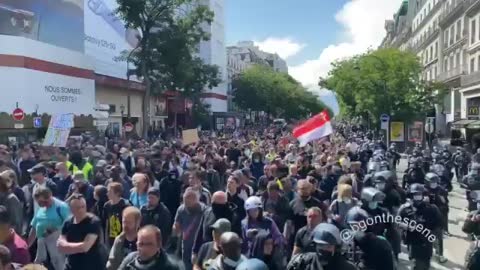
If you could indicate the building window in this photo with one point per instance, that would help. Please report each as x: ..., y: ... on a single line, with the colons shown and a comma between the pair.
x: 472, y: 65
x: 454, y: 61
x: 445, y: 65
x: 473, y: 31
x: 452, y: 34
x: 431, y: 53
x: 451, y: 62
x: 435, y: 71
x: 459, y: 29
x: 446, y: 38
x: 458, y: 59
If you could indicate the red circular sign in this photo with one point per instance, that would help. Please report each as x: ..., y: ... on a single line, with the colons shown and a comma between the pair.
x: 128, y: 127
x: 18, y: 114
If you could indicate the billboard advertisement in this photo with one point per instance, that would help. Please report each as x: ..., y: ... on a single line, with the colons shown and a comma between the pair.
x: 55, y: 22
x: 46, y: 92
x: 415, y: 132
x: 397, y: 132
x: 106, y: 37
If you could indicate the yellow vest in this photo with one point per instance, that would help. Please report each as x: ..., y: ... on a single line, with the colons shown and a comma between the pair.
x: 87, y: 170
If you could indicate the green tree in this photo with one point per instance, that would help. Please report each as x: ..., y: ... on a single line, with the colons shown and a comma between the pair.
x: 260, y: 88
x: 383, y: 81
x: 170, y: 31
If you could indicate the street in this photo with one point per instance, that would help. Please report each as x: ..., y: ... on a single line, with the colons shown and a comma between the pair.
x: 456, y: 245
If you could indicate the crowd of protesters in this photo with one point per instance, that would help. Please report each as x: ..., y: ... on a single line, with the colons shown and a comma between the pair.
x: 133, y: 204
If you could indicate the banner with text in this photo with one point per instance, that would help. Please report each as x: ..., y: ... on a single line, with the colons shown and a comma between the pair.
x: 59, y: 130
x: 46, y: 92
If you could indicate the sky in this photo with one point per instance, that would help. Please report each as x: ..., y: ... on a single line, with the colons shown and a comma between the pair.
x: 309, y: 34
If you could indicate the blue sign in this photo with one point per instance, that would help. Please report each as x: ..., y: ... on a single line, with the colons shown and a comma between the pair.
x: 37, y: 122
x: 384, y: 118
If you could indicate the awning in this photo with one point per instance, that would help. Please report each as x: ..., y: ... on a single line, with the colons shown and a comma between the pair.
x: 463, y: 123
x: 474, y: 125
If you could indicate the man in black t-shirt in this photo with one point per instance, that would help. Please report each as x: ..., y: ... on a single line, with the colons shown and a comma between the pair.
x: 210, y: 250
x: 80, y: 238
x: 112, y: 212
x: 303, y: 238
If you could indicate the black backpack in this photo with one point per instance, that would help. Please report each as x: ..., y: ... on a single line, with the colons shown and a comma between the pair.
x: 304, y: 261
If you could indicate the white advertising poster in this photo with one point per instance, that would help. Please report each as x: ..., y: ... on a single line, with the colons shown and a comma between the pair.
x: 106, y: 37
x: 45, y: 92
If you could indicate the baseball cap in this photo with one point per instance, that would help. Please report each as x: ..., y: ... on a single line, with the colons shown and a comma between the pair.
x: 154, y: 191
x: 222, y: 225
x: 39, y: 168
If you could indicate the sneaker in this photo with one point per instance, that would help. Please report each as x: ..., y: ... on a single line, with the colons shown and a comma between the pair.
x: 442, y: 259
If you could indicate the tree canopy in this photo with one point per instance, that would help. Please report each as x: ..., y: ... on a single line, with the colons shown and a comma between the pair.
x: 260, y: 88
x: 383, y: 81
x: 167, y: 53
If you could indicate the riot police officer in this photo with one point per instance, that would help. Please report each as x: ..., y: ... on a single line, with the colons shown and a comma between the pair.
x: 439, y: 197
x: 414, y: 173
x: 382, y: 225
x: 420, y: 220
x: 460, y: 162
x: 365, y: 249
x: 386, y: 182
x: 471, y: 182
x: 328, y: 256
x: 471, y: 226
x: 445, y: 180
x: 394, y: 156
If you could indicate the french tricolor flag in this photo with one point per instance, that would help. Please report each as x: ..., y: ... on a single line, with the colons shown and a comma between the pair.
x: 314, y: 128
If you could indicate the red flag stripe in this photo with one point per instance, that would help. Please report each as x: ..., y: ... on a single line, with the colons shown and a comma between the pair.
x: 312, y: 123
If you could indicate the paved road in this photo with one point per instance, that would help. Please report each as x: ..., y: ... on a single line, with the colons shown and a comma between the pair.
x: 457, y: 244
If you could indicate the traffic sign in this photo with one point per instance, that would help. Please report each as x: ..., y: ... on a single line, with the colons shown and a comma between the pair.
x: 384, y: 118
x: 18, y: 114
x: 18, y: 126
x: 128, y: 127
x: 37, y: 122
x: 429, y: 128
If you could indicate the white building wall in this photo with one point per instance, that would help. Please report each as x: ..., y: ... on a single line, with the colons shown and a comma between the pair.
x: 214, y: 52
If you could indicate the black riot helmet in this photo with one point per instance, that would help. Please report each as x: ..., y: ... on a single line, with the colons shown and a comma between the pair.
x: 373, y: 166
x: 416, y: 189
x: 475, y: 169
x: 370, y: 194
x: 432, y: 178
x: 252, y: 264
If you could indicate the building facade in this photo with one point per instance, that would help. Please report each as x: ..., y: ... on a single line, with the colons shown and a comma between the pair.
x: 244, y: 55
x: 445, y: 35
x: 214, y: 52
x: 64, y: 58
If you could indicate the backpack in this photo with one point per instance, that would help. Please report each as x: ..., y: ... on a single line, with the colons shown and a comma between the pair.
x: 304, y: 261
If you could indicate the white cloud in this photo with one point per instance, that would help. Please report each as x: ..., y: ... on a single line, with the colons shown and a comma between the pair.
x: 363, y: 26
x: 284, y: 47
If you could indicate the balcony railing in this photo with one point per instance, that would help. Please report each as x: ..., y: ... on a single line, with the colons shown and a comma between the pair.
x: 451, y: 11
x: 452, y: 73
x: 471, y: 78
x: 471, y: 6
x: 427, y: 18
x: 425, y: 39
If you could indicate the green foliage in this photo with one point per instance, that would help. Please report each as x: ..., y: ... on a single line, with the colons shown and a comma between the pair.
x: 260, y: 88
x: 383, y: 81
x: 166, y: 55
